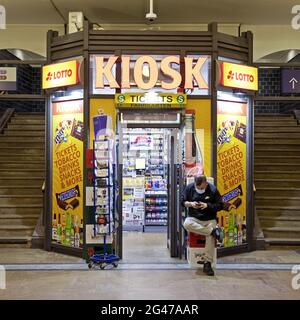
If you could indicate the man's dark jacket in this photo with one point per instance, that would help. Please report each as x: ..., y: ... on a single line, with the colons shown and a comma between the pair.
x: 211, y: 196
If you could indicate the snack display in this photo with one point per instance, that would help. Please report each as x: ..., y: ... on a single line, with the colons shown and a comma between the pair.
x: 77, y: 130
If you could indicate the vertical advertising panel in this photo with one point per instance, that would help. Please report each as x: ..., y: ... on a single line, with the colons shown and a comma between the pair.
x: 231, y: 170
x: 67, y: 173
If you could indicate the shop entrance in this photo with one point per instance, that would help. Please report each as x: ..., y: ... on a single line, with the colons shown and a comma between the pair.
x: 150, y: 183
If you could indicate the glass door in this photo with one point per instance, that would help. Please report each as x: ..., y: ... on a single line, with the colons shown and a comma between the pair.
x: 175, y: 186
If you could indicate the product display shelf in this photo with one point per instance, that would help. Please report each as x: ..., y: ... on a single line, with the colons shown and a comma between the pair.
x: 103, y: 197
x: 153, y: 172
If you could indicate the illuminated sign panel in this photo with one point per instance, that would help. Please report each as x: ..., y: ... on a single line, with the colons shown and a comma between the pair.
x: 145, y: 71
x: 60, y: 74
x: 238, y: 76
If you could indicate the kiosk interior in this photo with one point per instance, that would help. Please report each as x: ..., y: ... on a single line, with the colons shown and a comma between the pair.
x: 129, y: 126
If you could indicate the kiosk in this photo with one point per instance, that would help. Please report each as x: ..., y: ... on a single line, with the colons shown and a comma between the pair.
x: 169, y: 105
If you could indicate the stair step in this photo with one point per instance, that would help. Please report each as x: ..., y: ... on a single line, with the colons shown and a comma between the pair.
x: 282, y: 232
x: 29, y: 221
x: 29, y: 113
x: 22, y: 158
x: 22, y: 181
x: 18, y: 190
x: 21, y: 150
x: 15, y: 239
x: 277, y: 135
x: 16, y: 231
x: 21, y: 139
x: 275, y: 123
x: 18, y: 133
x: 275, y: 200
x: 274, y: 142
x: 283, y: 241
x: 260, y: 151
x: 20, y: 165
x: 25, y: 144
x: 21, y: 209
x: 273, y: 191
x: 276, y: 129
x: 271, y: 211
x: 279, y: 175
x: 21, y: 199
x: 16, y: 173
x: 285, y: 222
x: 277, y: 167
x: 262, y: 159
x: 26, y: 126
x: 287, y: 183
x: 15, y: 120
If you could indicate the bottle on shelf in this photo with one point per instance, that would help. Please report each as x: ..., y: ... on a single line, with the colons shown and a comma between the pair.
x: 68, y: 229
x: 244, y: 230
x: 54, y: 228
x: 235, y: 230
x: 59, y: 229
x: 81, y: 232
x: 231, y: 229
x: 72, y: 236
x: 240, y: 231
x: 77, y: 233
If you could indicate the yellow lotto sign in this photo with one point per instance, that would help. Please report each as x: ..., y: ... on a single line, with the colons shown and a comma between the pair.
x: 238, y: 76
x: 150, y: 99
x: 60, y: 74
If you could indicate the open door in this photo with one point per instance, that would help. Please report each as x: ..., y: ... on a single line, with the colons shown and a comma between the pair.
x: 175, y: 186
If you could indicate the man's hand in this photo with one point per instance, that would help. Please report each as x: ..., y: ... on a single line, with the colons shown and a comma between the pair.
x: 193, y: 204
x: 202, y: 205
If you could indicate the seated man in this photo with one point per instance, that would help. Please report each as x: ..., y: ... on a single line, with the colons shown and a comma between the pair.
x: 203, y: 201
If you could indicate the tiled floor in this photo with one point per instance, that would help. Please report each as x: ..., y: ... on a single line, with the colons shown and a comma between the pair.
x: 126, y: 283
x: 184, y: 284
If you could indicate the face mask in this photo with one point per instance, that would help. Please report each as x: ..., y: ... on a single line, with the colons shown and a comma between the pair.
x: 200, y: 191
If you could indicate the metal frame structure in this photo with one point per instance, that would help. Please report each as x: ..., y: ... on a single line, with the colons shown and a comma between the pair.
x: 211, y: 42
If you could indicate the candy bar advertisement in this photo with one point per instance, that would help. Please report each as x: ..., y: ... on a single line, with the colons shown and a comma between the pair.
x: 67, y: 177
x: 231, y: 171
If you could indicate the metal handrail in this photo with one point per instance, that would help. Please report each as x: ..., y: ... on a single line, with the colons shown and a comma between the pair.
x: 5, y: 118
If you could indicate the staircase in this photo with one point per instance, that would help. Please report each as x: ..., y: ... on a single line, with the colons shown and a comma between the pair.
x: 277, y: 178
x: 21, y: 177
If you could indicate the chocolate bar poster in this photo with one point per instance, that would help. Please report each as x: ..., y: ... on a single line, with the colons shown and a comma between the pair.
x: 231, y: 170
x: 67, y: 172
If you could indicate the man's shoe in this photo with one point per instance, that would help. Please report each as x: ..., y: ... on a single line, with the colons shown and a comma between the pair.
x: 216, y: 233
x: 208, y: 269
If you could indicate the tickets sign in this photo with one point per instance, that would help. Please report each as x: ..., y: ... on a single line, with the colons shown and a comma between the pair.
x: 238, y: 76
x: 60, y: 74
x: 150, y: 100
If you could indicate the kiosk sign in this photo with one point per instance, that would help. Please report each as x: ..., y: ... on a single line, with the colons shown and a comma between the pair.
x: 195, y: 72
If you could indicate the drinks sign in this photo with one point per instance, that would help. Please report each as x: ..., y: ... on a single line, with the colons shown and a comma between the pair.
x: 195, y: 72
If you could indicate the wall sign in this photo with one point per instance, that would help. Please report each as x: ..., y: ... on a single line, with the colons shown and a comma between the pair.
x: 8, y: 78
x: 290, y: 80
x: 60, y: 74
x: 169, y: 66
x: 149, y: 100
x: 239, y: 76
